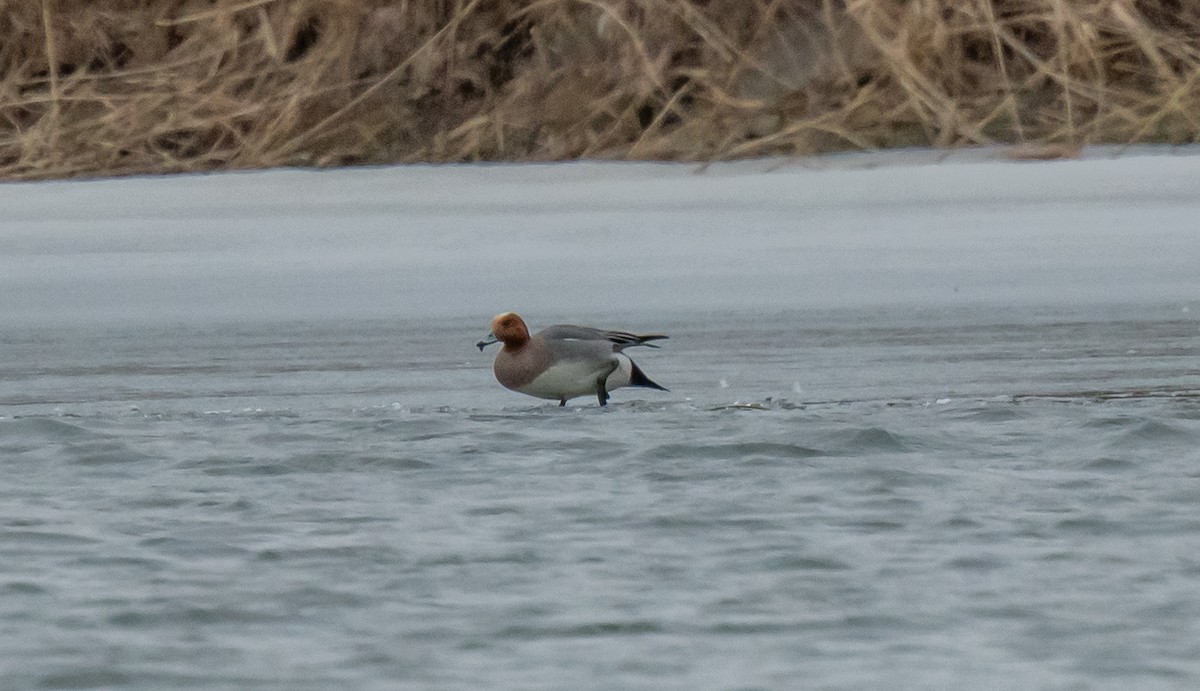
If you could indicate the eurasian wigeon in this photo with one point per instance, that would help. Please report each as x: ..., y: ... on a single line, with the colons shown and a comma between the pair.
x: 564, y: 361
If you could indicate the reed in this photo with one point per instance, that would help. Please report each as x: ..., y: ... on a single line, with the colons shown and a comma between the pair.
x: 110, y: 87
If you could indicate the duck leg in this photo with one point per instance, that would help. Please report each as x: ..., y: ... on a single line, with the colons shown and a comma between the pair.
x: 602, y: 383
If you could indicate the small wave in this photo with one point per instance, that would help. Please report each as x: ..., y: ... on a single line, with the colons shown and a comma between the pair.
x: 241, y: 467
x: 637, y: 627
x: 196, y: 614
x: 519, y: 556
x: 990, y: 412
x: 1110, y: 422
x: 869, y: 527
x: 751, y: 452
x: 371, y: 553
x: 1157, y: 430
x: 23, y: 588
x: 989, y: 562
x: 397, y: 463
x: 882, y: 481
x: 962, y: 523
x: 854, y: 441
x: 44, y: 538
x: 46, y: 429
x: 1138, y: 433
x: 754, y: 628
x: 494, y: 510
x: 1109, y: 464
x: 170, y: 547
x: 799, y: 562
x: 104, y: 452
x: 85, y: 678
x: 1089, y: 525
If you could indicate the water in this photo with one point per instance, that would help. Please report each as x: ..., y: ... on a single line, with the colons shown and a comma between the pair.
x: 929, y: 427
x: 826, y: 499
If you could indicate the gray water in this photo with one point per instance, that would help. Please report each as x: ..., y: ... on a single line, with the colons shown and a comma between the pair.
x: 909, y: 498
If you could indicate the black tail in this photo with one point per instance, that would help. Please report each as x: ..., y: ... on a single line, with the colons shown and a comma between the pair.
x: 638, y: 378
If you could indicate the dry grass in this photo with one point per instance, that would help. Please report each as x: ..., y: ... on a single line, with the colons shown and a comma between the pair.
x: 133, y: 86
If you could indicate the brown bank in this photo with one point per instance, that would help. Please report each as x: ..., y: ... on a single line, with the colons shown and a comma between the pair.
x: 155, y: 86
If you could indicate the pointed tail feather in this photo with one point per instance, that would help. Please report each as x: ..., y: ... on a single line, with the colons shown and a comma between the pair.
x: 638, y: 378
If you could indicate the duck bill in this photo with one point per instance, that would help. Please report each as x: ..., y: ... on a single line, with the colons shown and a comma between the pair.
x: 486, y: 342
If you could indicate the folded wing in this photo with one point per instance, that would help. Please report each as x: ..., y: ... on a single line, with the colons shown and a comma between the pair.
x: 620, y: 339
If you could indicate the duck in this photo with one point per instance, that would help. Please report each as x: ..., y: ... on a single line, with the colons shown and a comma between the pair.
x: 565, y: 361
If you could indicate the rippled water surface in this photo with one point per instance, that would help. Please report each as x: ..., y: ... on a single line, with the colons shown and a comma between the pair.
x: 862, y: 499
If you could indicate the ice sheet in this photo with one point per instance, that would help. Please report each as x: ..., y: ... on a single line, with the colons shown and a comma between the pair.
x: 905, y: 228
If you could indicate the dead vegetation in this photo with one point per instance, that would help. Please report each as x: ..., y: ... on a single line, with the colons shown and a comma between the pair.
x: 151, y: 86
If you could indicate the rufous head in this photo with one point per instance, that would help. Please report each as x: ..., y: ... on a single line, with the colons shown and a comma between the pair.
x: 510, y: 329
x: 507, y: 328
